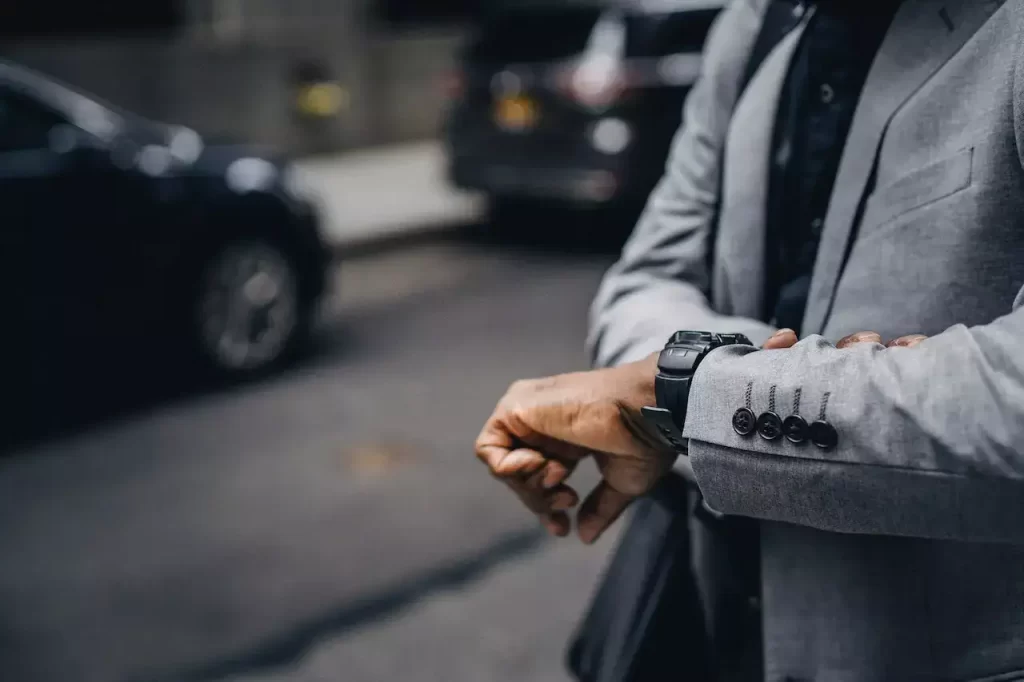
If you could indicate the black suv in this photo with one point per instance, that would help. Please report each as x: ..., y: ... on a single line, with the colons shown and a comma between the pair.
x: 576, y: 102
x: 125, y: 239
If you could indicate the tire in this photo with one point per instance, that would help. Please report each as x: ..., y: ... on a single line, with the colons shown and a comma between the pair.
x: 246, y: 311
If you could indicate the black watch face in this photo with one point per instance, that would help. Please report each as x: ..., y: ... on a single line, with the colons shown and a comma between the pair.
x: 691, y: 337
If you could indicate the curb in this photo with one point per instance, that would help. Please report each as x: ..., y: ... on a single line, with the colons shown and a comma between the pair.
x: 398, y: 239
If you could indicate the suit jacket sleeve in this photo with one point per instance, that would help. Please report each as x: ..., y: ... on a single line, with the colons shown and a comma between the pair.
x: 660, y: 284
x: 931, y: 438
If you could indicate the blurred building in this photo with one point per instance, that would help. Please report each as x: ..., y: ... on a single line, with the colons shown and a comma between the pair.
x: 305, y: 75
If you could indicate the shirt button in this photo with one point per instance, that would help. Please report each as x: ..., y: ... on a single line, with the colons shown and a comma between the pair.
x: 799, y: 9
x: 816, y: 225
x: 827, y: 93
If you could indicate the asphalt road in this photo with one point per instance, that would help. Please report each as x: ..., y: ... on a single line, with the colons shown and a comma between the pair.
x: 329, y: 524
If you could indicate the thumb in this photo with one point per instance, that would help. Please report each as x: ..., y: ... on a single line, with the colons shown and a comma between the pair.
x: 784, y: 338
x: 603, y: 505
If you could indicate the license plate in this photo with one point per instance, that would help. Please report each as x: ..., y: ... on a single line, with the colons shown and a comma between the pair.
x: 516, y: 114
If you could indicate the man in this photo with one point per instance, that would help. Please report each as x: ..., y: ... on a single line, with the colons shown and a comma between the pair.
x: 892, y: 520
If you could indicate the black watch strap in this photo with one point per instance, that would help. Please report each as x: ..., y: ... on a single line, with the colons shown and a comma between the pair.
x: 676, y: 366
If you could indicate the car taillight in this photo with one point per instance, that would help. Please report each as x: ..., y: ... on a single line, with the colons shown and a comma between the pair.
x: 453, y: 85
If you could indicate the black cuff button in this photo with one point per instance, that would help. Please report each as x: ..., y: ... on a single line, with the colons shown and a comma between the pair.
x: 744, y: 422
x: 795, y: 428
x: 769, y: 426
x: 823, y: 435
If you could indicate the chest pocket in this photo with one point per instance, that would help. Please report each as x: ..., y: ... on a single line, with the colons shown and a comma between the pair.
x: 919, y: 188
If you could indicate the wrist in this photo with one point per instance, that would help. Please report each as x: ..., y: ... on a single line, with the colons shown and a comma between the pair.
x: 639, y: 392
x: 639, y: 379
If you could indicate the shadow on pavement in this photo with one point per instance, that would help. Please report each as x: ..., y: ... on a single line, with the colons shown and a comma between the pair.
x: 66, y: 404
x: 289, y: 647
x: 52, y: 408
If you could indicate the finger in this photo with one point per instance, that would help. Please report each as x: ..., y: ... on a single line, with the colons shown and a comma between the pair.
x: 517, y: 463
x: 552, y: 474
x: 494, y: 442
x: 784, y: 338
x: 497, y: 447
x: 859, y: 337
x: 907, y: 341
x: 599, y: 511
x: 562, y: 498
x: 557, y: 524
x: 555, y: 473
x: 538, y: 501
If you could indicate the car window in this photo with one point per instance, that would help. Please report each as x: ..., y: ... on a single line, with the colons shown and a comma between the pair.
x: 24, y: 123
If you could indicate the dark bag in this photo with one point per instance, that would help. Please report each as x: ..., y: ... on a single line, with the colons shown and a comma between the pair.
x: 650, y: 619
x: 646, y: 624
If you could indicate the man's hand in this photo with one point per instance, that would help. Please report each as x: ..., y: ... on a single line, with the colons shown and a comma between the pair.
x: 786, y: 338
x: 542, y: 429
x: 874, y: 337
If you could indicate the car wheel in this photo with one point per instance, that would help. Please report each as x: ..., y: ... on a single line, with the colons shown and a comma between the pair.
x: 247, y: 310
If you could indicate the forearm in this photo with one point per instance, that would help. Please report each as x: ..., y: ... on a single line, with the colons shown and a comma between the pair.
x: 929, y: 438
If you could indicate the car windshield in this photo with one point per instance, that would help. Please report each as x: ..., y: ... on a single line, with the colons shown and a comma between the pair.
x: 98, y: 118
x: 102, y: 119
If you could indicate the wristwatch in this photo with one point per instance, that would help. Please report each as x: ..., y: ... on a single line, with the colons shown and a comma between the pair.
x: 676, y: 366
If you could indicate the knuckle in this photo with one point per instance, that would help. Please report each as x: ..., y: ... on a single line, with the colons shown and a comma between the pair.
x: 517, y: 417
x: 520, y: 386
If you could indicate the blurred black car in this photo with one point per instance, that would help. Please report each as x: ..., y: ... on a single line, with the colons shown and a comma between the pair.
x: 573, y: 101
x: 124, y: 239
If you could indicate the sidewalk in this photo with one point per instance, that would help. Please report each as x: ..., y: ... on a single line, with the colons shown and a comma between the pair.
x: 387, y: 193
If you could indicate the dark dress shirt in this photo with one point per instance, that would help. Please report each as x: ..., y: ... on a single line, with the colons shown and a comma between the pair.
x: 816, y: 108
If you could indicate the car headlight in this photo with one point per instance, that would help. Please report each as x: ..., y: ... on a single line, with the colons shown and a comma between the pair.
x: 297, y: 184
x: 611, y: 136
x: 250, y: 175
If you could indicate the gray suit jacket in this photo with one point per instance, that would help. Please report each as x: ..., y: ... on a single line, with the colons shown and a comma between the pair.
x: 899, y: 554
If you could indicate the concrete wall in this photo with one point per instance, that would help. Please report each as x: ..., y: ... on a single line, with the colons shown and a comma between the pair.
x: 242, y: 90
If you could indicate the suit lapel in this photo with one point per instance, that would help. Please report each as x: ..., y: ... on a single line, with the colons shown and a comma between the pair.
x: 924, y: 35
x: 740, y: 243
